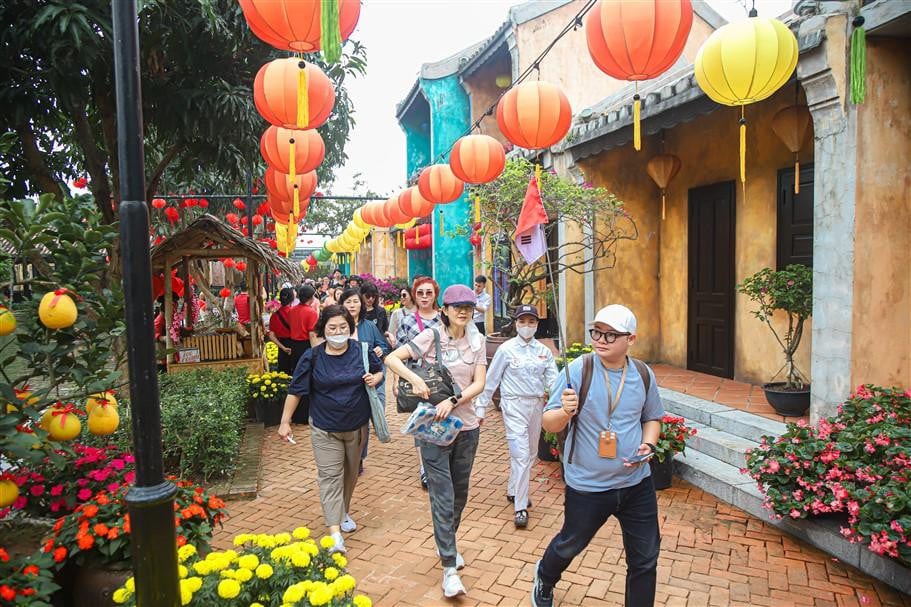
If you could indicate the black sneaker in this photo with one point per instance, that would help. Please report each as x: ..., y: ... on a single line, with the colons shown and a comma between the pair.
x: 542, y: 595
x: 521, y: 519
x: 424, y: 480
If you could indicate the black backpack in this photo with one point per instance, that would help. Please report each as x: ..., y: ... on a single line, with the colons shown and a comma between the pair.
x: 588, y: 369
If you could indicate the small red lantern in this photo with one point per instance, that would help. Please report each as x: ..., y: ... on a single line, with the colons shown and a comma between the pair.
x: 257, y: 220
x: 477, y: 159
x: 240, y: 265
x: 172, y: 214
x: 203, y: 203
x: 239, y: 204
x: 158, y: 203
x: 475, y: 240
x: 227, y: 262
x: 225, y: 292
x: 232, y: 218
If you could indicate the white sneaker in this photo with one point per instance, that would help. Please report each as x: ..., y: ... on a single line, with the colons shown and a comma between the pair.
x: 348, y: 525
x: 339, y: 545
x: 452, y: 584
x: 460, y: 562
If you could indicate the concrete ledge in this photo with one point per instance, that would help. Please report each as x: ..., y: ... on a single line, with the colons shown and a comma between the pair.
x: 721, y: 417
x: 729, y: 448
x: 725, y: 482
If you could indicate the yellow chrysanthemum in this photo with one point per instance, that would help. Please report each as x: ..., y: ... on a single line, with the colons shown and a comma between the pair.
x: 185, y: 596
x: 330, y: 573
x: 345, y: 583
x: 120, y: 596
x: 228, y: 589
x: 300, y: 559
x: 243, y: 575
x: 301, y: 533
x: 241, y: 539
x: 248, y: 561
x: 202, y: 567
x: 185, y: 552
x: 320, y: 596
x: 193, y: 583
x: 264, y: 571
x: 339, y: 559
x: 130, y: 584
x: 182, y: 571
x: 362, y: 600
x: 326, y: 542
x: 282, y: 538
x: 229, y: 574
x: 293, y: 594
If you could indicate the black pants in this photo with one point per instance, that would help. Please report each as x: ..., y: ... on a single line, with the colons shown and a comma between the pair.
x: 636, y: 508
x: 286, y: 362
x: 481, y: 328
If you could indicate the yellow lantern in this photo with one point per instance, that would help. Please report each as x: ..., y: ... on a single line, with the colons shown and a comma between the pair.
x: 745, y: 62
x: 359, y: 221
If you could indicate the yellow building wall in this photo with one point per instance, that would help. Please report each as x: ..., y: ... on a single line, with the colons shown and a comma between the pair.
x: 569, y: 65
x: 483, y: 92
x: 881, y: 344
x: 650, y: 275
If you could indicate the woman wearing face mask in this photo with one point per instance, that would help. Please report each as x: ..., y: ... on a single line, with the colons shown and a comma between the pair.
x: 524, y: 369
x: 395, y: 319
x: 367, y: 333
x: 424, y: 293
x: 449, y: 468
x: 332, y: 375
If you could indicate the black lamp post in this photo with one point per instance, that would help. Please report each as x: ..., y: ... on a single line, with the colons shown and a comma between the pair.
x: 151, y: 499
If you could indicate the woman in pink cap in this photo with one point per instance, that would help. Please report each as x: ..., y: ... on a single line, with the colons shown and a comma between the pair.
x: 449, y: 468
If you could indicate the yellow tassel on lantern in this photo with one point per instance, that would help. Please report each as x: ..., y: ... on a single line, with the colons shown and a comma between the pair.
x: 743, y: 147
x: 417, y: 236
x: 796, y: 175
x: 663, y: 204
x: 303, y: 100
x: 538, y: 176
x: 297, y: 201
x: 441, y: 222
x: 292, y: 164
x: 637, y: 115
x: 385, y: 239
x: 477, y: 210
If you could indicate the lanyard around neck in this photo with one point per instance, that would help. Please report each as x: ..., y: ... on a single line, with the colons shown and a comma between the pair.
x: 613, y: 402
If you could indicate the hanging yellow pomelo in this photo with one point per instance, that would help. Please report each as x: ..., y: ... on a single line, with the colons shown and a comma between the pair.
x: 94, y: 400
x: 7, y: 321
x: 9, y: 492
x: 104, y: 420
x: 57, y: 310
x: 61, y: 422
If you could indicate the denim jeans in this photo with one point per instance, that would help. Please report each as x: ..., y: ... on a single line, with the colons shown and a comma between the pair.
x: 636, y: 508
x: 448, y: 471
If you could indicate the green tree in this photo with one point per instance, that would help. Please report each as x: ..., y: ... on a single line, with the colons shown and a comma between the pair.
x: 330, y: 216
x: 198, y: 63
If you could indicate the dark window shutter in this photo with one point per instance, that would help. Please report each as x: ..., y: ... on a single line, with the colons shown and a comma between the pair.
x: 795, y: 217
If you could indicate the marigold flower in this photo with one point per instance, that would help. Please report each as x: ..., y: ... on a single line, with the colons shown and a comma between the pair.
x: 264, y: 571
x: 120, y: 596
x: 326, y: 542
x: 90, y: 510
x: 228, y: 589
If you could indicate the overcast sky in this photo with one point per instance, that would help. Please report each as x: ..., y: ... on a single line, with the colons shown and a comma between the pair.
x: 400, y: 35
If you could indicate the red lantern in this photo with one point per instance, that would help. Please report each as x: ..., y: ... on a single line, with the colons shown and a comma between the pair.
x: 475, y: 240
x: 241, y: 266
x: 294, y: 25
x: 439, y: 185
x: 203, y: 203
x: 477, y: 159
x: 377, y: 212
x: 225, y: 292
x: 394, y: 213
x: 534, y: 115
x: 227, y: 262
x: 257, y: 220
x: 279, y: 85
x: 279, y: 146
x: 239, y: 204
x: 280, y: 186
x: 412, y: 204
x: 172, y: 214
x: 637, y: 41
x: 158, y: 203
x: 370, y: 213
x: 232, y: 218
x: 418, y: 237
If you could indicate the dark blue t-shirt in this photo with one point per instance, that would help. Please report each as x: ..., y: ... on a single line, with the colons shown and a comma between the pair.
x: 338, y: 394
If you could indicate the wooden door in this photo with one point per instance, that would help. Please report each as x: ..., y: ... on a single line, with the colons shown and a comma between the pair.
x: 710, y: 335
x: 795, y: 217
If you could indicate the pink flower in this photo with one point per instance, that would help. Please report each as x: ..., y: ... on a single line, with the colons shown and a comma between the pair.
x: 795, y: 513
x: 117, y: 464
x: 774, y: 466
x: 20, y: 503
x: 84, y: 494
x: 896, y: 526
x: 37, y: 490
x: 56, y: 490
x: 113, y: 487
x: 882, y: 440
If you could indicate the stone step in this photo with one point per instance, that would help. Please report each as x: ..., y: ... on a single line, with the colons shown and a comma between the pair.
x: 729, y: 448
x: 726, y: 482
x: 721, y: 417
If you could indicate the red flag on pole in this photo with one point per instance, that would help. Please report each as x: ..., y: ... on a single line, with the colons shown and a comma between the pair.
x: 529, y: 235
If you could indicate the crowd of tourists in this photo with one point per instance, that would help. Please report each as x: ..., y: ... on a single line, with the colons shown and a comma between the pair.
x: 342, y: 347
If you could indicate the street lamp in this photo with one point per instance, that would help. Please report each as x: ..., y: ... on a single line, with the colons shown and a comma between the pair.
x: 151, y: 499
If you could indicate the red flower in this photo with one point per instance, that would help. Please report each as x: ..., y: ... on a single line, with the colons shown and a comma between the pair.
x: 59, y: 554
x: 158, y: 203
x: 7, y: 593
x: 172, y: 214
x: 80, y: 182
x: 225, y: 292
x: 31, y: 570
x: 257, y: 220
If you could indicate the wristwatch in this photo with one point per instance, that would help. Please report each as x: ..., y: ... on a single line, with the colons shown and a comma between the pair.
x: 454, y: 400
x: 652, y: 447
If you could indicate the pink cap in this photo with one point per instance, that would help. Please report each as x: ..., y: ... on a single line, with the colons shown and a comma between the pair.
x: 459, y: 295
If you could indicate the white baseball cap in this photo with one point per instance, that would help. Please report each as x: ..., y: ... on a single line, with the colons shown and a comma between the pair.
x: 619, y: 317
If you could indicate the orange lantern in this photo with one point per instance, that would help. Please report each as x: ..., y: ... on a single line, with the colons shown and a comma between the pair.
x: 394, y: 213
x: 477, y: 159
x: 791, y: 124
x: 637, y: 41
x: 297, y: 191
x: 294, y: 25
x: 292, y: 151
x: 662, y: 169
x: 439, y: 185
x: 293, y: 94
x: 280, y: 216
x: 367, y: 213
x: 534, y: 115
x: 412, y: 204
x: 382, y: 220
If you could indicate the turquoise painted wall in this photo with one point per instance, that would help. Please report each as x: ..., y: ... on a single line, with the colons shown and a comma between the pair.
x: 450, y: 117
x: 417, y: 150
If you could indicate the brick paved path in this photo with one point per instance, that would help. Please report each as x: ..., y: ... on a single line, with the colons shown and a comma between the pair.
x: 712, y: 553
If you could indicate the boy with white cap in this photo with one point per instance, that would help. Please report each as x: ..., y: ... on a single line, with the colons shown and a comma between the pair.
x: 613, y: 431
x: 524, y: 370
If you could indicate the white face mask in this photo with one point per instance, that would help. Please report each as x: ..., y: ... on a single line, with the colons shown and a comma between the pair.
x: 337, y: 340
x: 526, y: 332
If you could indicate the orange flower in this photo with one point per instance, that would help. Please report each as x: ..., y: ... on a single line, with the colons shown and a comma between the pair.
x: 85, y: 542
x: 31, y: 570
x: 49, y: 544
x: 113, y: 532
x: 100, y: 529
x: 83, y: 526
x: 181, y: 540
x: 58, y: 525
x: 198, y: 499
x: 102, y: 499
x: 90, y: 510
x: 126, y: 524
x: 216, y: 502
x: 186, y: 513
x: 60, y: 554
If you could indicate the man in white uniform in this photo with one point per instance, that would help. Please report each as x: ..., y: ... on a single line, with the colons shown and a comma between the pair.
x: 480, y: 309
x: 524, y: 369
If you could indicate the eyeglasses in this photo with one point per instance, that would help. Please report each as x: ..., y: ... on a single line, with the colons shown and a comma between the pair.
x: 424, y: 293
x: 608, y: 336
x: 405, y: 294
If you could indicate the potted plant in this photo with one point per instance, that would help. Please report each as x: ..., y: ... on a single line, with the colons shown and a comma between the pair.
x: 262, y: 569
x: 26, y: 579
x: 94, y: 539
x: 672, y: 440
x: 267, y: 392
x: 790, y: 291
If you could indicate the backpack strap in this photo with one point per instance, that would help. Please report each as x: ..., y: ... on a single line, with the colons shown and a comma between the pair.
x: 588, y: 370
x: 643, y: 373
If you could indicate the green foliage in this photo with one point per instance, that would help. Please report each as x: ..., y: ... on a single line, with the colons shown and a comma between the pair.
x: 600, y: 216
x: 32, y: 573
x: 791, y: 291
x: 574, y: 351
x: 857, y: 462
x: 198, y: 62
x: 69, y: 245
x: 202, y: 420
